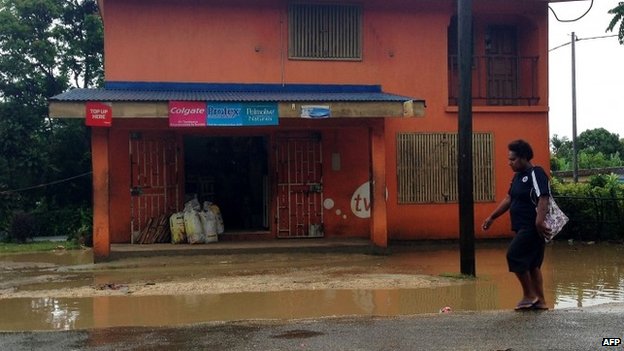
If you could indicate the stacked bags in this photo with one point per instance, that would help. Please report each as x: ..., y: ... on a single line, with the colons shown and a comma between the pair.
x: 196, y: 225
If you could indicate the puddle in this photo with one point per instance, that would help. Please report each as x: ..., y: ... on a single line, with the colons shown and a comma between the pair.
x: 574, y: 276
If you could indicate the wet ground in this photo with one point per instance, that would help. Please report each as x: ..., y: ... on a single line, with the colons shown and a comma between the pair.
x: 62, y: 290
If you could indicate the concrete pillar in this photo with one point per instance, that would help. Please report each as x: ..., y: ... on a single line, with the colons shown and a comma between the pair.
x: 101, y: 200
x: 379, y: 218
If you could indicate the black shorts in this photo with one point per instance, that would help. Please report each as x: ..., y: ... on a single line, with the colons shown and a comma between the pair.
x: 526, y: 251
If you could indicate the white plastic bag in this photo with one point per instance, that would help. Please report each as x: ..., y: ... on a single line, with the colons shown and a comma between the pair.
x: 209, y: 206
x: 209, y: 223
x: 193, y: 224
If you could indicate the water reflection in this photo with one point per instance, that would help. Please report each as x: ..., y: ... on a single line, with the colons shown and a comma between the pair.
x: 578, y: 275
x: 44, y: 314
x: 586, y: 275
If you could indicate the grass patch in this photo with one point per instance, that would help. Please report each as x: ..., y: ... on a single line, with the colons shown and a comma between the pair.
x: 37, y: 246
x: 457, y: 276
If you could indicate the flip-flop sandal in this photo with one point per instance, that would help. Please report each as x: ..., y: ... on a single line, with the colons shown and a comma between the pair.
x: 525, y: 305
x: 536, y: 306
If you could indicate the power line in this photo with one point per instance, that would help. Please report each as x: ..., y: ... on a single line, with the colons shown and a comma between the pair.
x: 572, y: 20
x: 44, y: 185
x: 579, y: 39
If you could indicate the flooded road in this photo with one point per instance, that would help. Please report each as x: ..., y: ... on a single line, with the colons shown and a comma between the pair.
x: 63, y: 290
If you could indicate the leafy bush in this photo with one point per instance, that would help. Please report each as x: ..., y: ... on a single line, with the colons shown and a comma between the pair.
x: 595, y: 208
x: 83, y: 234
x: 75, y: 223
x: 23, y: 227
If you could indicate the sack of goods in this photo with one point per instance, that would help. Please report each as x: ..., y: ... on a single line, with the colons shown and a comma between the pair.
x: 178, y: 232
x: 209, y: 223
x: 196, y: 224
x: 217, y: 213
x: 193, y: 224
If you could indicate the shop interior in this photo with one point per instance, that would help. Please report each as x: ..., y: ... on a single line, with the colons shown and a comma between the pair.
x: 231, y: 172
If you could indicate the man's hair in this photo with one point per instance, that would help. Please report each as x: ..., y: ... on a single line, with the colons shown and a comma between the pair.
x: 522, y: 149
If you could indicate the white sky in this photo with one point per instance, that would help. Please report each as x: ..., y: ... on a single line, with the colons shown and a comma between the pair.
x: 599, y: 70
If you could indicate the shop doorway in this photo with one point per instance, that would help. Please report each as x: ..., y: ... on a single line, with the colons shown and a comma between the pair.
x: 231, y: 172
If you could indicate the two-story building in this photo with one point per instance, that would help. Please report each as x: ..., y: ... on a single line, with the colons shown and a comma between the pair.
x: 308, y: 118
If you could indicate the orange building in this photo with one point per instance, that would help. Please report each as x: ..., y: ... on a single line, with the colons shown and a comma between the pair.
x: 308, y: 118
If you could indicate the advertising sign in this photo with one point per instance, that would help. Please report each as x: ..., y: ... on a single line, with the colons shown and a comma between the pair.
x: 224, y: 114
x: 260, y: 114
x: 241, y: 114
x: 98, y: 114
x: 315, y: 111
x: 187, y: 114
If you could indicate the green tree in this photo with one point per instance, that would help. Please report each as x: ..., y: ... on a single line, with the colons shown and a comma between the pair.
x: 560, y: 153
x: 46, y: 47
x: 618, y: 16
x: 600, y: 140
x: 597, y: 148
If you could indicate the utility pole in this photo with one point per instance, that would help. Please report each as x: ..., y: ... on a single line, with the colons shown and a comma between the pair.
x: 574, y: 145
x: 464, y: 154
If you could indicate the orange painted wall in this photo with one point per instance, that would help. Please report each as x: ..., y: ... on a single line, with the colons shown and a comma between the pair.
x: 339, y: 136
x: 340, y: 184
x: 405, y: 50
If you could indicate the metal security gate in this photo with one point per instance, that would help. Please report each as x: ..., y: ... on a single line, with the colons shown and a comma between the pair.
x: 299, y: 187
x: 154, y: 178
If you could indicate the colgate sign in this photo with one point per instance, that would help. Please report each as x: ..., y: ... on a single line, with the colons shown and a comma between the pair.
x: 187, y: 114
x: 98, y: 114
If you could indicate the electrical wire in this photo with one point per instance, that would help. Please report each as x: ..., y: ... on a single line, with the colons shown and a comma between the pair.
x: 579, y: 39
x: 572, y: 20
x: 44, y: 185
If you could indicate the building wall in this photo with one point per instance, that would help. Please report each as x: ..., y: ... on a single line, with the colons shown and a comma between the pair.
x: 405, y: 50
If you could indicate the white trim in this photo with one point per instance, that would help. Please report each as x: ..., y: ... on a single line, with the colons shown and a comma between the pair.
x: 537, y: 190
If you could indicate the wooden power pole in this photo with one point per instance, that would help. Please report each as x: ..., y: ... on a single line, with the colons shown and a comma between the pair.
x: 465, y: 171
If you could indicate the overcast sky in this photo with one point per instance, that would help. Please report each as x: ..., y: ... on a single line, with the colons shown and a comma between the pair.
x: 599, y: 70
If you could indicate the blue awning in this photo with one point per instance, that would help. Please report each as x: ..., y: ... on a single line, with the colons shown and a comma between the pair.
x: 149, y: 99
x: 141, y: 91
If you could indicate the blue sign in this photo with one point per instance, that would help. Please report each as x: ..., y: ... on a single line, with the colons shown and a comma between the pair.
x: 241, y: 114
x: 260, y: 114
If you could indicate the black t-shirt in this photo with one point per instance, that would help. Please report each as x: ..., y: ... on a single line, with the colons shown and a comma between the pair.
x: 524, y: 197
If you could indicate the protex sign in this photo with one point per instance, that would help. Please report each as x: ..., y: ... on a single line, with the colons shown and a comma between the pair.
x: 241, y: 114
x: 187, y: 114
x: 98, y: 114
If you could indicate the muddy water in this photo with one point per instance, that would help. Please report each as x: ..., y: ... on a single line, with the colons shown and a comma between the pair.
x: 574, y: 275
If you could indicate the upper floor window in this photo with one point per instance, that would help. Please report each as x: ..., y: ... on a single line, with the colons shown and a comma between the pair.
x: 501, y: 73
x: 324, y: 31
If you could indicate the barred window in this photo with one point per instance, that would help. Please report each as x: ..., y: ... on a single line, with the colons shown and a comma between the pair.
x: 427, y: 167
x: 324, y: 31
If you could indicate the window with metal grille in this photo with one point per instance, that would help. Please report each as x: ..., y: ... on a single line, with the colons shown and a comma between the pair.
x: 427, y: 167
x: 324, y: 31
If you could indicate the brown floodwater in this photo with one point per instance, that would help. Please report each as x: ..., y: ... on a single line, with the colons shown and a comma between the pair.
x: 574, y: 276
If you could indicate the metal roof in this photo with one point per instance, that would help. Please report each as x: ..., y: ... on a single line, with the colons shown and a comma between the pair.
x: 151, y: 92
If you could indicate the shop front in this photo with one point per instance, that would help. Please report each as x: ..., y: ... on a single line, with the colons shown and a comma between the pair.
x: 279, y: 161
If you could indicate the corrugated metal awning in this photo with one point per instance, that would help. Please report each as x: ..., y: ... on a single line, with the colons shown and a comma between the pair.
x: 140, y: 100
